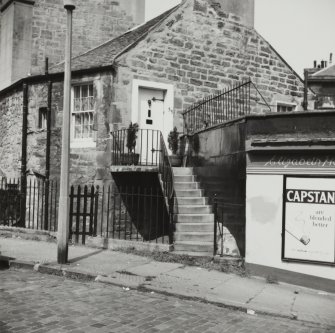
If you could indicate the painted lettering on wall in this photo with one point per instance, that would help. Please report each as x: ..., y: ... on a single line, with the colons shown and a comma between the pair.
x: 301, y: 162
x: 311, y: 196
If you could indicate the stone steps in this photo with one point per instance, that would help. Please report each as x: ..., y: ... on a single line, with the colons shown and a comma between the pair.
x: 193, y: 209
x: 193, y: 217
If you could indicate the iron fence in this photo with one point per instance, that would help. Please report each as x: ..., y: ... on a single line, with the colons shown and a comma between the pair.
x: 124, y: 213
x: 228, y: 105
x: 83, y: 212
x: 144, y: 150
x: 226, y: 224
x: 10, y: 202
x: 42, y: 205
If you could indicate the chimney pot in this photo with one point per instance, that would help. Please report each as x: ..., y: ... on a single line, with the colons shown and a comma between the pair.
x: 314, y: 63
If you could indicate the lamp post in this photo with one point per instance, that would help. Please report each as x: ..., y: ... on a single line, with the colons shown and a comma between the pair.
x: 63, y: 209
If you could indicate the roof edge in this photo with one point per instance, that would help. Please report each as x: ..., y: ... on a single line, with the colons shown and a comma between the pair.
x: 54, y: 77
x: 130, y: 46
x: 281, y: 58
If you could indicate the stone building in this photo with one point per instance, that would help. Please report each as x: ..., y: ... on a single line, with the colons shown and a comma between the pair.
x: 195, y: 49
x: 321, y: 80
x: 32, y: 30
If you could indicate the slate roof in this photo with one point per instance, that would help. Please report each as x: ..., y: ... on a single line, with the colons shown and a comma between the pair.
x: 105, y: 54
x: 325, y: 73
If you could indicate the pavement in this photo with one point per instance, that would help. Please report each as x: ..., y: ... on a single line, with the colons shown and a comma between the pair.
x: 248, y: 294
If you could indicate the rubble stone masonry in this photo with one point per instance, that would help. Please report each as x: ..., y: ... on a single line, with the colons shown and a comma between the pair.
x: 11, y: 133
x: 202, y: 50
x: 94, y: 22
x: 199, y: 49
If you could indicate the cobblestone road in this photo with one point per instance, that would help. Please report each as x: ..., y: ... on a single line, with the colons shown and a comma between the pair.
x: 33, y: 302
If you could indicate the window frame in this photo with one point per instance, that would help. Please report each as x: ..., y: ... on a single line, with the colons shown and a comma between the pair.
x: 81, y: 142
x: 285, y: 104
x: 42, y: 118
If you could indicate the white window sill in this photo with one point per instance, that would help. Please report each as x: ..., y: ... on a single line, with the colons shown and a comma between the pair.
x: 83, y: 144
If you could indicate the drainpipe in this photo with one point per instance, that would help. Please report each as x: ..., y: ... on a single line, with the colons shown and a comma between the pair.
x: 47, y: 153
x: 305, y: 102
x: 24, y: 157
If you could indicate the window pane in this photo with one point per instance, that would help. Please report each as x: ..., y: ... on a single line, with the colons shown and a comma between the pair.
x: 77, y: 119
x: 77, y: 104
x: 91, y: 90
x: 77, y: 92
x: 91, y: 103
x: 84, y: 91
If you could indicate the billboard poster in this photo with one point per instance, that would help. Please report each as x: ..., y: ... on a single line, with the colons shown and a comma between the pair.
x: 309, y: 219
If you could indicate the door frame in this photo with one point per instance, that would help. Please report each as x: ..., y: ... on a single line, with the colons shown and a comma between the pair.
x: 168, y: 100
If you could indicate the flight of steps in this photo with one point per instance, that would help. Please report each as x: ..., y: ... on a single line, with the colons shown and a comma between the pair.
x: 193, y: 217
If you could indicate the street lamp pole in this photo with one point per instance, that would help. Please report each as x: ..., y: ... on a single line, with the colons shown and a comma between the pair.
x: 63, y: 209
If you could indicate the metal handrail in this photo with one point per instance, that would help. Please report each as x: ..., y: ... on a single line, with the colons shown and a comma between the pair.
x: 165, y: 169
x: 229, y: 104
x: 151, y: 151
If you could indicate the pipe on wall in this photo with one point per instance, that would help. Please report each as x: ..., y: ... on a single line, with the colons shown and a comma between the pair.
x: 47, y: 157
x: 24, y: 157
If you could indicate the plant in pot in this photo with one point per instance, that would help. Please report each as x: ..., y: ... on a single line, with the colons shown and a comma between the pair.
x: 173, y: 141
x: 131, y: 158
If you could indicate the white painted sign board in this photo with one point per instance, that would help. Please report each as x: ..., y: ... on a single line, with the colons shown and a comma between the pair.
x: 309, y: 219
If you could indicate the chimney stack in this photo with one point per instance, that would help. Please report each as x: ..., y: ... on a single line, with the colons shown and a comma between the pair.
x: 330, y: 59
x: 245, y: 9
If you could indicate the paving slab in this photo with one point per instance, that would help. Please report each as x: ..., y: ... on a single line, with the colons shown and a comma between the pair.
x: 130, y: 272
x: 154, y: 268
x: 201, y: 275
x: 237, y: 291
x: 316, y: 307
x: 276, y: 299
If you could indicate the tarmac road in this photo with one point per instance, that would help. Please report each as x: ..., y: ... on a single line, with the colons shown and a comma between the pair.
x: 34, y: 302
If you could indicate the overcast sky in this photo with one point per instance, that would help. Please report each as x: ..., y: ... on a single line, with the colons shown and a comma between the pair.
x: 300, y: 30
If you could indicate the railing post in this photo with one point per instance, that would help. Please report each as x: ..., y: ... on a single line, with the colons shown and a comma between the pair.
x: 215, y: 208
x: 171, y: 224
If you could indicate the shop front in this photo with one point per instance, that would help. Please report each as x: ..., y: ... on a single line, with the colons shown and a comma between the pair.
x: 290, y: 212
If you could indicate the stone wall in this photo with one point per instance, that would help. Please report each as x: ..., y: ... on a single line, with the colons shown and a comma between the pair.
x: 94, y: 22
x: 202, y: 50
x: 11, y: 133
x: 31, y: 31
x: 83, y: 161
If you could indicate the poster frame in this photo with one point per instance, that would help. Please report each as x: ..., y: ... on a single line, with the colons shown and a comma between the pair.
x: 287, y: 259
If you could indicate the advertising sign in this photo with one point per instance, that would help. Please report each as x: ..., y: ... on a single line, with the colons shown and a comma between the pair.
x: 309, y: 219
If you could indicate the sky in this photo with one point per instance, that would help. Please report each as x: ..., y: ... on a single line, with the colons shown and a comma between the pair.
x: 300, y: 30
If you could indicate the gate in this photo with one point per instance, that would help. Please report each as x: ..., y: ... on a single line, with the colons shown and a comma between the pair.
x: 10, y: 203
x: 83, y: 213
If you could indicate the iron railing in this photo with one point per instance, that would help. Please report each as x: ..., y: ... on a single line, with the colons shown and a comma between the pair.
x: 166, y: 173
x: 228, y: 105
x: 150, y: 150
x: 125, y: 213
x: 40, y: 214
x: 83, y: 212
x: 225, y: 224
x: 10, y: 202
x: 130, y: 213
x: 145, y: 152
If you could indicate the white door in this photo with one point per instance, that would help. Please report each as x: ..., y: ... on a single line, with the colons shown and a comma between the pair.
x: 153, y: 119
